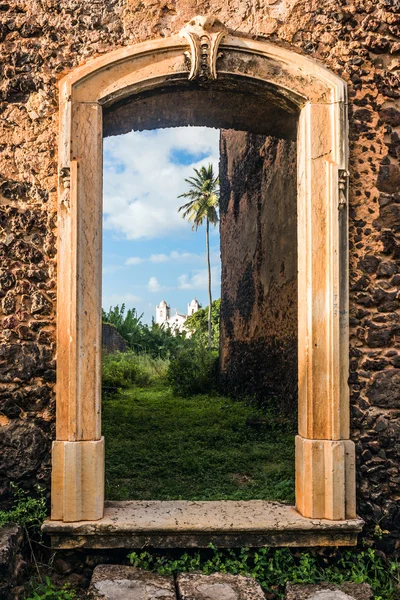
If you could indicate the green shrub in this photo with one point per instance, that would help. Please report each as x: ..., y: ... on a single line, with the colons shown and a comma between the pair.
x: 151, y: 370
x: 193, y: 370
x: 119, y: 370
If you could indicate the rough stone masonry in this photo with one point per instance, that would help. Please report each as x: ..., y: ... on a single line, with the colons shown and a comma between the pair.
x: 43, y: 40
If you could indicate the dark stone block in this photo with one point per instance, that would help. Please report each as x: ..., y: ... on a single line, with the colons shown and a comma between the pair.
x: 385, y: 389
x: 12, y: 564
x: 19, y: 361
x: 111, y: 340
x: 23, y: 446
x: 389, y: 182
x: 369, y: 263
x: 390, y: 116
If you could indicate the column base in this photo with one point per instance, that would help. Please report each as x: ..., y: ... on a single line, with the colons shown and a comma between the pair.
x: 77, y: 483
x: 325, y: 479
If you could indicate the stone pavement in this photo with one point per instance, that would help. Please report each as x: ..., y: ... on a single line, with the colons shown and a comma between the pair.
x: 117, y: 582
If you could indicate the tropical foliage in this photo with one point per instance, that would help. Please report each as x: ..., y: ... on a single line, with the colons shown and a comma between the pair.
x: 203, y: 207
x: 141, y: 338
x: 198, y: 324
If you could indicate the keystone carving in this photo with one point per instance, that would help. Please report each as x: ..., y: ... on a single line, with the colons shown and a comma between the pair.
x: 343, y: 185
x: 65, y: 182
x: 204, y: 35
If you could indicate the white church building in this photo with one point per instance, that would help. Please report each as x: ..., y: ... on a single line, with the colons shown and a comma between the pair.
x: 176, y: 321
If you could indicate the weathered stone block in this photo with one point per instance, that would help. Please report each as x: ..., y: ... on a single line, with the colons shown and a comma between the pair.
x: 111, y: 340
x: 328, y: 591
x: 22, y: 448
x: 11, y: 562
x: 385, y: 389
x: 219, y: 586
x: 117, y: 582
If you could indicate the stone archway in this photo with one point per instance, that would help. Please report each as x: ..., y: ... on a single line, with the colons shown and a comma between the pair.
x: 206, y: 57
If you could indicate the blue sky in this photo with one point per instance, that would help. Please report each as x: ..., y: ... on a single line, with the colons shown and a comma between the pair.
x: 149, y: 251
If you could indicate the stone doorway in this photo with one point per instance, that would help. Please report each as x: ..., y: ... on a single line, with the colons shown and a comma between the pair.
x: 229, y: 82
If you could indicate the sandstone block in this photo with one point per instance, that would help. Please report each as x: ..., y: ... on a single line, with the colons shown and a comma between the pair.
x: 328, y: 591
x: 219, y: 586
x: 117, y: 582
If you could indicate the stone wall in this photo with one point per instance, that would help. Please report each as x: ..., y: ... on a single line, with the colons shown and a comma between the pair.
x: 111, y: 340
x: 44, y: 39
x: 258, y: 205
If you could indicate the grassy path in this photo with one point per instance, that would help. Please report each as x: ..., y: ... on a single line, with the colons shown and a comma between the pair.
x: 161, y: 447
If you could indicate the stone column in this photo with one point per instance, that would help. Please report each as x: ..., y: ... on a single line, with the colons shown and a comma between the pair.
x: 78, y: 452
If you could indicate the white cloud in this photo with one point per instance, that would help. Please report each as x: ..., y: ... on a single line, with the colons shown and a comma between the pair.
x: 158, y: 258
x: 114, y: 299
x: 172, y: 256
x: 153, y: 285
x: 134, y: 260
x: 199, y: 280
x: 112, y: 269
x: 143, y: 178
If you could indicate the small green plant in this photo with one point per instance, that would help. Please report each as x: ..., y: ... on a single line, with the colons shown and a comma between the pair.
x: 193, y: 370
x: 273, y: 568
x: 47, y: 590
x: 27, y: 511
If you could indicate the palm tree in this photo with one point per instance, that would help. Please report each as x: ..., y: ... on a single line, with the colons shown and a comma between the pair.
x: 202, y: 206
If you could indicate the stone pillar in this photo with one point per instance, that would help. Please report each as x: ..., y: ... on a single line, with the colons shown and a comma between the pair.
x: 78, y: 452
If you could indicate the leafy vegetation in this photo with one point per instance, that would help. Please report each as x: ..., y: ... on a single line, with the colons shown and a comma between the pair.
x: 123, y: 369
x: 194, y: 370
x: 162, y: 446
x: 48, y: 591
x: 27, y: 511
x: 156, y: 341
x: 198, y: 323
x: 274, y: 567
x: 203, y: 203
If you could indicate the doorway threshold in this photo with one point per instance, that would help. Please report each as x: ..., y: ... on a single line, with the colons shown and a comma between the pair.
x: 190, y: 524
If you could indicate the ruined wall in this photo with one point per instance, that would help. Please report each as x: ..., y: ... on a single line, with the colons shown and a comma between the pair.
x: 43, y: 39
x: 259, y: 268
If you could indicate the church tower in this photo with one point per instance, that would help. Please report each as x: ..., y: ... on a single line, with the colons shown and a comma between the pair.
x: 193, y: 307
x: 162, y: 312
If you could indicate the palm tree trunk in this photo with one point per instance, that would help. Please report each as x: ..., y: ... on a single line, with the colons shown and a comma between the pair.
x: 209, y: 281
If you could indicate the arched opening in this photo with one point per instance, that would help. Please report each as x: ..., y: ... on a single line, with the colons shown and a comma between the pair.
x: 262, y: 89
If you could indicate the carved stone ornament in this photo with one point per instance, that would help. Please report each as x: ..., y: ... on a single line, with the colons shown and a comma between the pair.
x: 343, y: 188
x: 65, y: 182
x: 204, y: 35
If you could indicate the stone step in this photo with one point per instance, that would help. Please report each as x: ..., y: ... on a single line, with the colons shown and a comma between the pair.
x: 117, y: 582
x: 328, y: 591
x: 218, y: 586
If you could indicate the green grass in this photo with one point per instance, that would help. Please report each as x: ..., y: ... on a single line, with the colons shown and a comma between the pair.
x: 162, y: 447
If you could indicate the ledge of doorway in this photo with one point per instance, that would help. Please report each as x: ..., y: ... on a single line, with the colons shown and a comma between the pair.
x: 189, y: 524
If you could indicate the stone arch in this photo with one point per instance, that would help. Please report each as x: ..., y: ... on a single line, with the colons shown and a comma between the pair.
x: 297, y: 93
